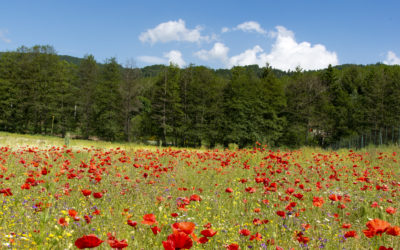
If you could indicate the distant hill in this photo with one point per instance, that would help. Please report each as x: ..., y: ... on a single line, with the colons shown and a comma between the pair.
x: 154, y: 70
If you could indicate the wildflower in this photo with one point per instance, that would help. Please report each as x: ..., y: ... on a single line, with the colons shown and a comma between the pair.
x: 178, y: 240
x: 132, y: 223
x: 88, y: 241
x: 185, y: 227
x: 244, y: 232
x: 156, y: 230
x: 391, y: 210
x: 97, y: 195
x: 318, y: 201
x: 281, y: 214
x: 149, y: 219
x: 208, y: 232
x: 86, y: 192
x: 114, y: 243
x: 394, y: 231
x: 62, y: 222
x: 376, y: 227
x: 350, y: 234
x: 233, y: 246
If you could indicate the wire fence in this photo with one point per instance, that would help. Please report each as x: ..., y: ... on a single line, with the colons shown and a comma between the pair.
x: 374, y: 137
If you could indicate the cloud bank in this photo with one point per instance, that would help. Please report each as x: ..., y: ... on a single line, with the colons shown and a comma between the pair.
x: 251, y: 26
x: 173, y: 56
x: 285, y: 54
x: 218, y: 52
x: 391, y: 59
x: 173, y: 31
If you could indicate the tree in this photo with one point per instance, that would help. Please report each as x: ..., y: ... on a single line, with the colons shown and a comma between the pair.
x: 166, y: 107
x: 87, y: 81
x: 130, y: 90
x: 107, y: 103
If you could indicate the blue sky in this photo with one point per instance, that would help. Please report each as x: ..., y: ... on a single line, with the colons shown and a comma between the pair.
x: 219, y: 34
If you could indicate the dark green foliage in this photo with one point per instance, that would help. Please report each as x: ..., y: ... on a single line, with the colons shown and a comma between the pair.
x: 41, y: 92
x: 107, y: 103
x: 166, y: 112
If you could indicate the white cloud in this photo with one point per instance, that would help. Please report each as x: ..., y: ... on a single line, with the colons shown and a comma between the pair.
x: 225, y: 29
x: 249, y: 57
x: 287, y: 53
x: 251, y: 26
x: 218, y: 52
x: 391, y: 58
x: 152, y: 59
x: 3, y: 36
x: 173, y: 31
x: 175, y: 56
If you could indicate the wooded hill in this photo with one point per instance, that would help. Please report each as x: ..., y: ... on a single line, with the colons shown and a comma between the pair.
x: 44, y: 93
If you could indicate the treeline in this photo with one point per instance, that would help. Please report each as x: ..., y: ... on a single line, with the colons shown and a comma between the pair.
x: 43, y: 93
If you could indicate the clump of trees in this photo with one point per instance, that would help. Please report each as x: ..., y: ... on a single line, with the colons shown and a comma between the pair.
x: 44, y: 93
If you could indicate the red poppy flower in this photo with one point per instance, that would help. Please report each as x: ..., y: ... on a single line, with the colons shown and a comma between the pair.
x: 96, y: 212
x: 229, y: 190
x: 208, y: 225
x: 385, y: 248
x: 208, y: 232
x: 346, y: 225
x: 374, y: 204
x: 168, y: 245
x: 203, y: 240
x: 298, y: 196
x: 376, y: 227
x: 97, y: 195
x: 185, y: 227
x: 88, y: 241
x: 233, y: 246
x: 350, y: 234
x: 281, y: 214
x: 178, y: 240
x: 132, y: 223
x: 289, y: 190
x: 391, y: 210
x: 318, y: 201
x: 72, y: 213
x: 244, y: 232
x: 195, y: 197
x: 88, y: 219
x: 62, y: 222
x: 86, y: 192
x: 302, y: 239
x: 174, y: 215
x: 156, y: 230
x: 114, y: 243
x: 256, y: 236
x: 149, y: 219
x: 394, y: 231
x: 6, y: 192
x: 334, y: 197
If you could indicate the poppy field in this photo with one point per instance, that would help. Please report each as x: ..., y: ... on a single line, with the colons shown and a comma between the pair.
x: 165, y: 198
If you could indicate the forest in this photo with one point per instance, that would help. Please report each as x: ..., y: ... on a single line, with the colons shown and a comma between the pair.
x: 49, y: 94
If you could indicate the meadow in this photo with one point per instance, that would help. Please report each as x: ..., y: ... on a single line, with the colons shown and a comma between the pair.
x: 104, y: 195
